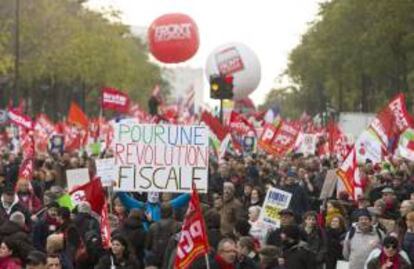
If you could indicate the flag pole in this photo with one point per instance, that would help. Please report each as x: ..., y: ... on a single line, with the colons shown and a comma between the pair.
x: 207, y: 261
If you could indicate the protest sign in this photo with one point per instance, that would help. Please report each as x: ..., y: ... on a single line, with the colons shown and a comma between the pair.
x: 107, y: 171
x: 56, y: 143
x: 77, y: 177
x: 275, y: 201
x: 329, y: 184
x: 161, y: 158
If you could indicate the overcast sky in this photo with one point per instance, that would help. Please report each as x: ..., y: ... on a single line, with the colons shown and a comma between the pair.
x: 271, y: 28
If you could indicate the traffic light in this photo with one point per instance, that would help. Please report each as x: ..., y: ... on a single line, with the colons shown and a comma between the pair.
x: 221, y: 87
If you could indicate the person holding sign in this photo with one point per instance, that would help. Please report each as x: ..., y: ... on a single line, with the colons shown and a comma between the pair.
x: 153, y: 205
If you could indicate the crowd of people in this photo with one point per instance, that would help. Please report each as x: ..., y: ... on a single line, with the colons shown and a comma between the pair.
x: 375, y: 231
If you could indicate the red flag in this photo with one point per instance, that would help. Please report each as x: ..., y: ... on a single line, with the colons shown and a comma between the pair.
x: 391, y: 121
x: 115, y: 100
x: 105, y: 227
x: 28, y: 147
x: 240, y: 125
x: 280, y: 140
x: 77, y: 116
x: 193, y: 240
x: 91, y: 192
x: 214, y: 124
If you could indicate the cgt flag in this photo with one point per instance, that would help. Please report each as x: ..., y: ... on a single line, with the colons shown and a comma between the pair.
x: 114, y: 99
x: 193, y: 240
x: 91, y: 192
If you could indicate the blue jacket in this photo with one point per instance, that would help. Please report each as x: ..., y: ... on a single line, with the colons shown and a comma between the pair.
x: 153, y: 209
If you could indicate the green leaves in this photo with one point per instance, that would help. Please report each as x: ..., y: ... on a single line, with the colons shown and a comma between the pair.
x: 69, y: 52
x: 355, y: 56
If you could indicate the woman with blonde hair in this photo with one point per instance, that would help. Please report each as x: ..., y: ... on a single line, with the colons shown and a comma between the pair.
x: 55, y: 245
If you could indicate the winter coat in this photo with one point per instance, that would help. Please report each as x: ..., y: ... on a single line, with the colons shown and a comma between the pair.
x: 84, y: 222
x: 357, y: 249
x: 408, y: 245
x: 229, y: 214
x: 10, y: 263
x: 153, y: 209
x: 247, y: 263
x: 334, y: 239
x: 259, y: 231
x: 158, y: 237
x: 105, y: 263
x: 133, y: 230
x: 373, y: 260
x: 17, y: 234
x: 299, y: 256
x: 5, y: 212
x: 317, y: 244
x: 299, y: 203
x: 72, y: 238
x: 41, y: 230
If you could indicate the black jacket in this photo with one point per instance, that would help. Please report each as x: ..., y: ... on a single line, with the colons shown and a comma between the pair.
x: 133, y: 230
x: 105, y: 263
x: 334, y: 238
x: 299, y: 256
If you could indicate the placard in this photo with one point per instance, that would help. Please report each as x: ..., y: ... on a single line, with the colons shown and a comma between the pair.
x: 77, y: 177
x: 161, y: 158
x: 329, y: 184
x: 107, y: 171
x: 275, y: 201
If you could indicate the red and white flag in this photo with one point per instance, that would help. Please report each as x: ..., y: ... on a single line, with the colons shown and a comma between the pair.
x: 28, y: 148
x: 114, y: 99
x: 193, y: 241
x: 91, y: 192
x: 105, y: 227
x: 391, y: 122
x: 20, y: 119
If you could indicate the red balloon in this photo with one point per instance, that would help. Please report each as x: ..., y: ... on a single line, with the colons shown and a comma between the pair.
x: 173, y: 38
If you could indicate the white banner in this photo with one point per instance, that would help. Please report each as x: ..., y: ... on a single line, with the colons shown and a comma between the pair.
x: 275, y: 201
x: 161, y: 158
x: 107, y: 171
x: 368, y: 146
x: 306, y: 144
x: 77, y: 177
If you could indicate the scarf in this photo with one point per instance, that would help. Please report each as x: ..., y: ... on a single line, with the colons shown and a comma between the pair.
x: 395, y: 259
x: 223, y: 264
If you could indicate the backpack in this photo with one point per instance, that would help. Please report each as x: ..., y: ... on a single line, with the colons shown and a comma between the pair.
x: 352, y: 230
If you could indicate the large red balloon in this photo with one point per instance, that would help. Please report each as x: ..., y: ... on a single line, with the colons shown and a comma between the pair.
x: 173, y: 38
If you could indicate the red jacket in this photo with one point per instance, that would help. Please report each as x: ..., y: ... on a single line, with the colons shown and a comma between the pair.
x: 10, y: 263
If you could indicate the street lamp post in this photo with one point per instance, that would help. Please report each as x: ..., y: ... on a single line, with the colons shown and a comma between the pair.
x: 17, y: 51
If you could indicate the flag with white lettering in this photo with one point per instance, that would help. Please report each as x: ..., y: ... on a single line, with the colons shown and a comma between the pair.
x: 114, y: 99
x: 193, y: 241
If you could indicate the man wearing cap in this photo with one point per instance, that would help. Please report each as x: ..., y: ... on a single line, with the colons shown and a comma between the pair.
x: 360, y: 240
x: 10, y: 203
x: 391, y: 203
x: 287, y: 217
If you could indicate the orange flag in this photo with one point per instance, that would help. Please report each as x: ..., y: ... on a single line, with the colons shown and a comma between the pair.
x: 77, y: 116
